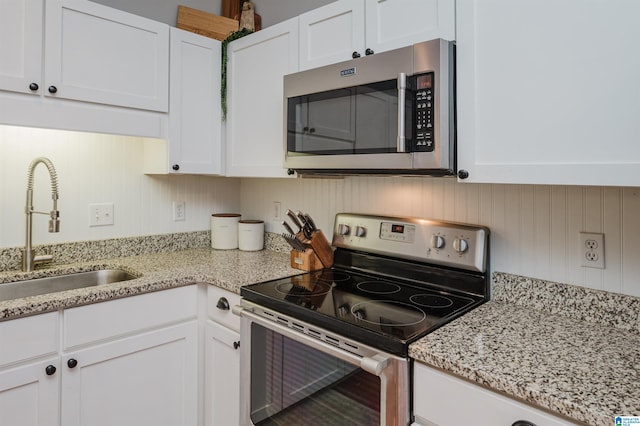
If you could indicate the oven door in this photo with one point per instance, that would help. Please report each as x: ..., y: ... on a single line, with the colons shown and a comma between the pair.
x: 287, y: 375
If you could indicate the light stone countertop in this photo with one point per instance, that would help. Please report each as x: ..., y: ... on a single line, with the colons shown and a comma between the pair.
x: 586, y: 370
x: 228, y: 269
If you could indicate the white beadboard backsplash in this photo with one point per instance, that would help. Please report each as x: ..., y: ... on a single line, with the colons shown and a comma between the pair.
x: 96, y: 168
x: 534, y: 228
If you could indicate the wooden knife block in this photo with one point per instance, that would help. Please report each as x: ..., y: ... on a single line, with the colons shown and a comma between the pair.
x: 306, y: 261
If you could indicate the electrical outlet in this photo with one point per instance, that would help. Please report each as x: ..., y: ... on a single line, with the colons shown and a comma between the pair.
x: 100, y: 214
x: 591, y: 250
x: 179, y: 213
x: 277, y: 210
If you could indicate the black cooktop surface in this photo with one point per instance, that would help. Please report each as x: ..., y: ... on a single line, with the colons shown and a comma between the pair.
x: 387, y: 313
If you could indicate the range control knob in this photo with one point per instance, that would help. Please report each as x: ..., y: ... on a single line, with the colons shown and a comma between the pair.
x: 361, y: 231
x: 344, y: 229
x: 460, y: 245
x: 437, y: 242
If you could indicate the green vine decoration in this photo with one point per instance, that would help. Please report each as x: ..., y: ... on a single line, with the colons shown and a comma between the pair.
x: 223, y: 86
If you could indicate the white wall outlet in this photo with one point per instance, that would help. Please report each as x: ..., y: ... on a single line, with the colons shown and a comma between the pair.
x: 101, y: 214
x: 591, y: 250
x: 179, y: 212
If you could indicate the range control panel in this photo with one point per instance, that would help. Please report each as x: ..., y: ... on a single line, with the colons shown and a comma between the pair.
x: 444, y: 243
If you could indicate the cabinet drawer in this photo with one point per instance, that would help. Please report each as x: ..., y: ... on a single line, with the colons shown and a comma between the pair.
x: 439, y: 396
x: 119, y: 317
x: 30, y: 337
x: 219, y: 315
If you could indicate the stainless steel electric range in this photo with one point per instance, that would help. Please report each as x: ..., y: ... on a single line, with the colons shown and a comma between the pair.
x: 330, y: 346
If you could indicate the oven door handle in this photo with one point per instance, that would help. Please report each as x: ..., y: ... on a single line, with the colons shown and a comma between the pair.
x: 374, y: 364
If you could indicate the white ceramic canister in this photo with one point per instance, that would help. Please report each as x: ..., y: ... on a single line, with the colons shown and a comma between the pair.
x: 251, y: 235
x: 224, y: 231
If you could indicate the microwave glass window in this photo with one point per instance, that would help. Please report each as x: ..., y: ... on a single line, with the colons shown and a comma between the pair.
x: 352, y: 120
x: 292, y: 381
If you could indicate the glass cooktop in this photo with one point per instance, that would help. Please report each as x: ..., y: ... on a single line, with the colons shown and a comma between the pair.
x: 382, y: 312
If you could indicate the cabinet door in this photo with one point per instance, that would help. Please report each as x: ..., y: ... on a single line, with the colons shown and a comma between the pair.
x: 332, y: 33
x: 98, y: 54
x: 222, y: 376
x: 20, y: 45
x: 439, y: 397
x: 392, y: 24
x: 195, y: 119
x: 147, y: 379
x: 29, y: 394
x: 548, y: 91
x: 255, y: 100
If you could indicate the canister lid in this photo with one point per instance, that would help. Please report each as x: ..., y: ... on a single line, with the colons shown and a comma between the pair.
x: 226, y: 215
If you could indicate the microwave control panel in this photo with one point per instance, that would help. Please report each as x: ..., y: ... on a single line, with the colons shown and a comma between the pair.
x: 424, y: 113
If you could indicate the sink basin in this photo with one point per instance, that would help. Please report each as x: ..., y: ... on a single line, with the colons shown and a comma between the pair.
x: 38, y: 286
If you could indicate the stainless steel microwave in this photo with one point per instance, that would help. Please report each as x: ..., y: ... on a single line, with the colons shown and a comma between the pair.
x: 387, y: 113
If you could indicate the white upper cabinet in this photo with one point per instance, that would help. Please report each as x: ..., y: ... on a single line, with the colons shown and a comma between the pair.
x: 331, y: 33
x: 20, y: 45
x: 548, y: 91
x: 391, y: 24
x: 347, y: 28
x: 195, y: 117
x: 255, y: 100
x: 98, y: 54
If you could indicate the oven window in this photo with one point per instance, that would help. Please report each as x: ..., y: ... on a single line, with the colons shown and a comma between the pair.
x: 352, y: 120
x: 291, y: 381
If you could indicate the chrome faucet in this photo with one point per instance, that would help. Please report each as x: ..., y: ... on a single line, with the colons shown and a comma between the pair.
x: 29, y: 258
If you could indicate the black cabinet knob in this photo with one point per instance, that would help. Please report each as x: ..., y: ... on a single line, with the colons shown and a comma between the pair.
x: 236, y: 345
x: 33, y: 87
x: 463, y: 174
x: 72, y: 363
x: 176, y: 167
x: 523, y: 423
x: 50, y: 370
x: 369, y: 52
x: 355, y: 55
x: 290, y: 172
x: 223, y: 304
x: 53, y: 89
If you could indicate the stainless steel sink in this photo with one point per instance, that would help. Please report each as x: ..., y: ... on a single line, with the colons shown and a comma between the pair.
x: 38, y: 286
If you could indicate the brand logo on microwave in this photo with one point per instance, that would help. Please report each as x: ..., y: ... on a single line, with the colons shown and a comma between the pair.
x: 348, y: 72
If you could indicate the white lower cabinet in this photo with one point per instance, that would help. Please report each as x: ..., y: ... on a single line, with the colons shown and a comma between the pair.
x: 222, y: 359
x: 29, y: 394
x: 148, y: 379
x: 30, y: 371
x: 126, y: 362
x: 440, y: 399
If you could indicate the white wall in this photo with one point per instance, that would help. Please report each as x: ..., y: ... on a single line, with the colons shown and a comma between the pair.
x: 96, y: 168
x: 534, y: 228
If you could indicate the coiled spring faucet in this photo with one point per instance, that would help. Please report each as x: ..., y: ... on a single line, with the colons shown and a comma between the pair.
x: 29, y: 259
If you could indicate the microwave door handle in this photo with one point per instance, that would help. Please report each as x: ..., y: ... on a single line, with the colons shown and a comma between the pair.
x: 402, y: 90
